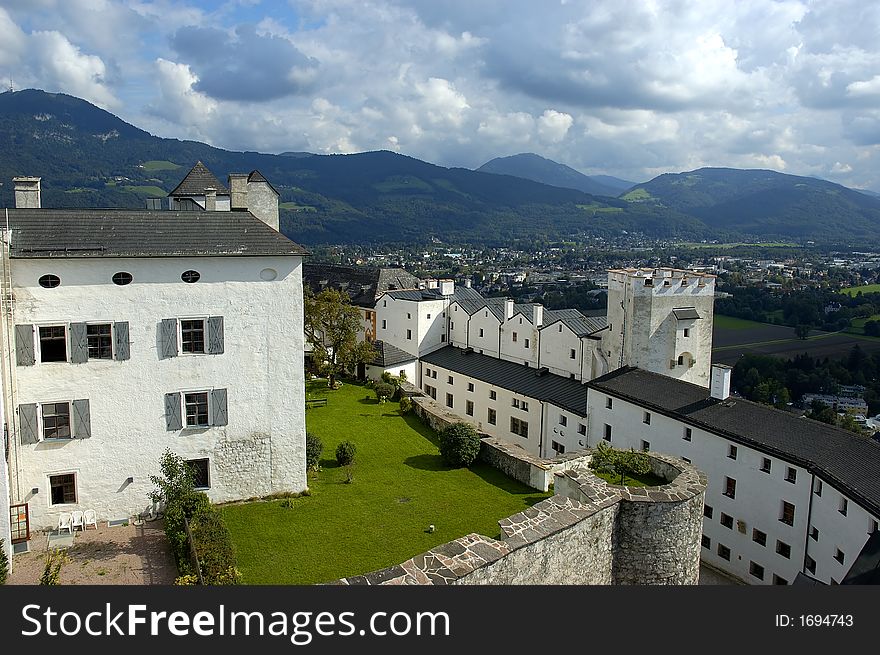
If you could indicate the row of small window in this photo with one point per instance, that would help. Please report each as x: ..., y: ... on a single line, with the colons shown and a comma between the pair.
x: 755, y: 569
x: 63, y: 486
x: 79, y: 342
x: 72, y: 419
x: 791, y: 476
x: 121, y: 278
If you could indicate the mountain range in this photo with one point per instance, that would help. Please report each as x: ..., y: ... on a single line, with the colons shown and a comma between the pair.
x: 89, y: 157
x: 533, y: 167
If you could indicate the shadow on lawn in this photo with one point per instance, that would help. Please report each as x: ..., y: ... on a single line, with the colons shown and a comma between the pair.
x: 427, y: 462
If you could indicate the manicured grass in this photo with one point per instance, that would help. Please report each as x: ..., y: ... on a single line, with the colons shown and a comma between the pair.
x: 865, y: 288
x: 159, y: 165
x: 400, y: 487
x: 296, y: 207
x: 646, y: 480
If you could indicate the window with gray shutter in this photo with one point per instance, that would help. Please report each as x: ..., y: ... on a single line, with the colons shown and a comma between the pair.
x: 82, y: 419
x: 215, y: 335
x: 27, y: 423
x: 168, y: 338
x: 218, y: 407
x: 173, y: 418
x: 79, y: 343
x: 120, y: 340
x: 24, y: 345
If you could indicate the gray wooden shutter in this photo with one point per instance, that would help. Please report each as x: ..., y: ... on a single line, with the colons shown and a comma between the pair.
x: 82, y: 419
x: 24, y: 345
x: 215, y: 335
x: 173, y: 419
x: 79, y: 343
x: 120, y: 340
x: 27, y: 423
x: 218, y: 407
x: 168, y: 338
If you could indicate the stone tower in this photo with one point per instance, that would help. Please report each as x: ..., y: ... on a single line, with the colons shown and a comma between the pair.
x: 661, y: 320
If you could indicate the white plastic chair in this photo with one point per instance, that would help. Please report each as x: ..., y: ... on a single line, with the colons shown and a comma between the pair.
x: 90, y: 517
x: 64, y: 522
x: 76, y: 517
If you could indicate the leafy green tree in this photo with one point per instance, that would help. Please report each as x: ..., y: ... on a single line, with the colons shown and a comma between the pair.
x: 332, y: 325
x: 459, y: 444
x: 801, y: 331
x: 625, y: 463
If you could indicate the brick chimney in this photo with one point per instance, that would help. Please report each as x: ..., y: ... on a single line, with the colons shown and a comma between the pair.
x: 210, y: 199
x: 238, y: 191
x: 27, y: 192
x: 508, y: 308
x: 538, y: 315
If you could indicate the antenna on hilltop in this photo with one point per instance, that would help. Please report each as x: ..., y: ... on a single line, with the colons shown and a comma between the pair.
x: 11, y: 87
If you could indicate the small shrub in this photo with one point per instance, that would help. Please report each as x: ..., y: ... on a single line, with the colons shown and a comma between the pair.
x: 349, y: 473
x: 406, y: 405
x: 459, y: 444
x: 55, y: 559
x: 401, y: 377
x: 345, y: 453
x: 213, y: 546
x: 4, y: 564
x: 186, y: 580
x: 387, y: 378
x: 384, y: 391
x: 314, y: 448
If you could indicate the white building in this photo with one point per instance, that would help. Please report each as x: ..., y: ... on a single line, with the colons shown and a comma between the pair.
x: 786, y: 495
x: 131, y: 332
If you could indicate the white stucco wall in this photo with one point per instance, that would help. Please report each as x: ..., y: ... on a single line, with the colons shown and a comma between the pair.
x: 409, y: 368
x: 516, y: 351
x: 487, y: 341
x: 557, y: 342
x: 758, y: 499
x: 260, y: 451
x: 4, y: 491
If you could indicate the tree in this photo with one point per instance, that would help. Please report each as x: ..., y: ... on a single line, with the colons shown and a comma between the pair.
x: 459, y: 444
x: 801, y: 331
x: 314, y: 448
x: 611, y: 461
x: 331, y: 326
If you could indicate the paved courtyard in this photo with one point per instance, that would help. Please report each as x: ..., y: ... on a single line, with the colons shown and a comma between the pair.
x: 122, y: 555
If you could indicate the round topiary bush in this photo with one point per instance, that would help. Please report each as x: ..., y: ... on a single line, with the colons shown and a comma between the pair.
x: 314, y: 448
x: 345, y: 453
x: 384, y: 390
x: 406, y: 405
x: 459, y: 444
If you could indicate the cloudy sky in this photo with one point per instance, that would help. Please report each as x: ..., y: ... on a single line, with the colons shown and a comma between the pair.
x: 631, y: 89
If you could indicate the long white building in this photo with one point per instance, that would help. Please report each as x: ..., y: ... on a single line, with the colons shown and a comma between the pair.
x: 126, y: 333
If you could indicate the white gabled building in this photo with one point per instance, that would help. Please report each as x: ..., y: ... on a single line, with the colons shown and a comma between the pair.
x: 129, y: 332
x: 786, y: 495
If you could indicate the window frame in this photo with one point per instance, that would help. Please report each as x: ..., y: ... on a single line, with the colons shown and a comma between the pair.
x: 109, y: 336
x: 38, y: 343
x: 759, y: 537
x: 75, y: 483
x: 207, y: 461
x: 491, y: 416
x: 783, y: 549
x: 41, y: 418
x: 469, y: 407
x: 180, y: 333
x: 688, y: 434
x: 791, y: 474
x: 784, y: 513
x: 185, y: 415
x: 729, y: 487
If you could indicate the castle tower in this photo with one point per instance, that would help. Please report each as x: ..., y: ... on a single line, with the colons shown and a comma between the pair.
x: 661, y: 320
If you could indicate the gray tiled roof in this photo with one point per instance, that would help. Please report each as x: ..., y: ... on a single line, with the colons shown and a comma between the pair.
x: 523, y: 380
x: 461, y: 294
x: 48, y: 233
x: 578, y: 323
x: 685, y: 313
x: 363, y: 284
x: 849, y: 461
x: 388, y: 354
x: 257, y: 176
x: 197, y: 180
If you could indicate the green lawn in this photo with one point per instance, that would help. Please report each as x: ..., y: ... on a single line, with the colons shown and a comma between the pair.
x: 865, y: 288
x: 147, y: 190
x: 400, y: 486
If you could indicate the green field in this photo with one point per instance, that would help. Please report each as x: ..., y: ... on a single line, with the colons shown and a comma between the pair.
x: 730, y: 323
x: 600, y: 209
x: 147, y: 190
x: 637, y: 195
x: 865, y: 288
x: 400, y: 487
x: 295, y: 207
x: 740, y: 244
x: 159, y: 165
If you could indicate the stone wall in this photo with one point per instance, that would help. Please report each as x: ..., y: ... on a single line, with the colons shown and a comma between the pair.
x: 658, y: 528
x: 510, y: 459
x: 591, y: 532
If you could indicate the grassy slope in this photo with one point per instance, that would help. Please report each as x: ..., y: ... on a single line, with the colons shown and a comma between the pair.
x: 866, y: 288
x: 400, y: 487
